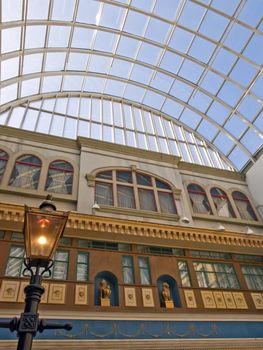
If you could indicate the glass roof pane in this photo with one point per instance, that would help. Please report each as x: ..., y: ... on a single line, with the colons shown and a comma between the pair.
x: 149, y: 53
x: 37, y: 9
x: 9, y: 68
x: 105, y: 41
x: 249, y: 107
x: 162, y: 82
x: 141, y: 74
x: 192, y: 15
x: 224, y: 61
x: 115, y: 88
x: 252, y: 48
x: 112, y: 16
x: 218, y: 112
x: 223, y: 143
x: 171, y: 62
x: 172, y: 108
x: 146, y: 5
x: 135, y: 23
x: 190, y: 118
x: 168, y: 11
x: 58, y: 36
x: 88, y: 11
x: 237, y: 37
x: 30, y: 87
x: 157, y: 30
x: 30, y: 120
x: 82, y: 38
x: 127, y: 47
x: 213, y: 25
x: 250, y: 13
x: 10, y: 39
x: 120, y: 68
x: 229, y: 9
x: 200, y: 101
x: 212, y: 82
x: 63, y: 10
x: 191, y: 71
x: 252, y: 141
x: 99, y: 64
x: 202, y: 49
x: 35, y: 36
x: 11, y: 10
x: 181, y: 40
x: 16, y: 117
x: 32, y: 63
x: 181, y: 90
x: 238, y: 157
x: 230, y: 93
x: 55, y: 61
x: 207, y: 129
x: 247, y: 69
x: 51, y: 84
x: 72, y: 83
x: 77, y: 61
x: 153, y: 99
x: 236, y: 126
x: 134, y: 93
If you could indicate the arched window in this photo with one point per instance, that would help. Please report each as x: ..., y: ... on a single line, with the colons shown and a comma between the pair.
x: 60, y: 177
x: 131, y: 189
x: 243, y: 206
x: 3, y: 162
x: 221, y: 202
x: 198, y: 199
x: 26, y: 172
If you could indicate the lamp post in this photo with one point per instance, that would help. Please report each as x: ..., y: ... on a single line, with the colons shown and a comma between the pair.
x: 43, y: 228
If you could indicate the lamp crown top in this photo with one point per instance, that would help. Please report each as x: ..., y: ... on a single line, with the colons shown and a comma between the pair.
x: 48, y: 204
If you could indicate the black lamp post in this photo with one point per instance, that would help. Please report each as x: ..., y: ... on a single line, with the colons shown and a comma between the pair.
x: 43, y: 228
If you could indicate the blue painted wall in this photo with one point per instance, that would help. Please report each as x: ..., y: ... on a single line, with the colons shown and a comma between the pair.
x: 123, y: 329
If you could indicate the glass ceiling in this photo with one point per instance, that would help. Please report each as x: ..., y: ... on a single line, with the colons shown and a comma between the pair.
x: 188, y: 65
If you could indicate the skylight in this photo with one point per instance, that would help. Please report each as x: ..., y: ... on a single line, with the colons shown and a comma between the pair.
x: 195, y: 63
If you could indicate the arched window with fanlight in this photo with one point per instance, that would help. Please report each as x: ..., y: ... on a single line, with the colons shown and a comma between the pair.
x: 134, y: 190
x: 26, y: 172
x: 243, y: 206
x: 60, y: 177
x: 198, y: 199
x: 222, y: 203
x: 3, y: 162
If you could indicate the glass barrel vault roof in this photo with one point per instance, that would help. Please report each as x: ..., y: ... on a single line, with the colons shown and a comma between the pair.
x: 176, y: 76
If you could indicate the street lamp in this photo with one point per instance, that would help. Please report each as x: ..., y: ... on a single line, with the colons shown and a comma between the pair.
x: 43, y: 228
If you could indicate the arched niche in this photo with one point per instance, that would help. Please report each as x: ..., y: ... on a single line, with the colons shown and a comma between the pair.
x: 173, y: 290
x: 112, y: 282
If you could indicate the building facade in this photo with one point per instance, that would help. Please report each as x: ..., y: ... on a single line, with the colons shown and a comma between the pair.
x: 179, y: 246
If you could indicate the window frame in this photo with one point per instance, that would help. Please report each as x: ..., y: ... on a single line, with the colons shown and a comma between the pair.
x: 148, y: 269
x: 130, y: 267
x: 205, y: 197
x: 3, y: 158
x: 63, y: 171
x: 115, y: 185
x: 32, y: 167
x: 247, y: 200
x: 87, y: 264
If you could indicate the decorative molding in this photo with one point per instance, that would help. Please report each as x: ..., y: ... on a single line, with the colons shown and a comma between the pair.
x: 12, y: 215
x: 90, y: 179
x: 139, y: 212
x: 126, y: 150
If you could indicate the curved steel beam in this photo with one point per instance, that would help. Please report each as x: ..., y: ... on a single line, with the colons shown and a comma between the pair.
x: 25, y: 100
x: 99, y: 75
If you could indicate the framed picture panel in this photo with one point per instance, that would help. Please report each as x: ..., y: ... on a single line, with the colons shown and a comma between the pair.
x: 147, y: 297
x: 208, y: 299
x: 258, y: 300
x: 190, y: 299
x: 9, y: 291
x: 130, y: 296
x: 240, y: 300
x: 57, y: 293
x: 219, y: 300
x: 229, y: 300
x: 81, y: 294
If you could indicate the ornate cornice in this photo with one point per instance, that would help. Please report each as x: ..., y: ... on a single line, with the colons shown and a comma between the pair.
x: 94, y: 227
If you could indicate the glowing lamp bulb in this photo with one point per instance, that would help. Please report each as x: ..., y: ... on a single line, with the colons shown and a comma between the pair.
x: 42, y: 240
x: 44, y: 223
